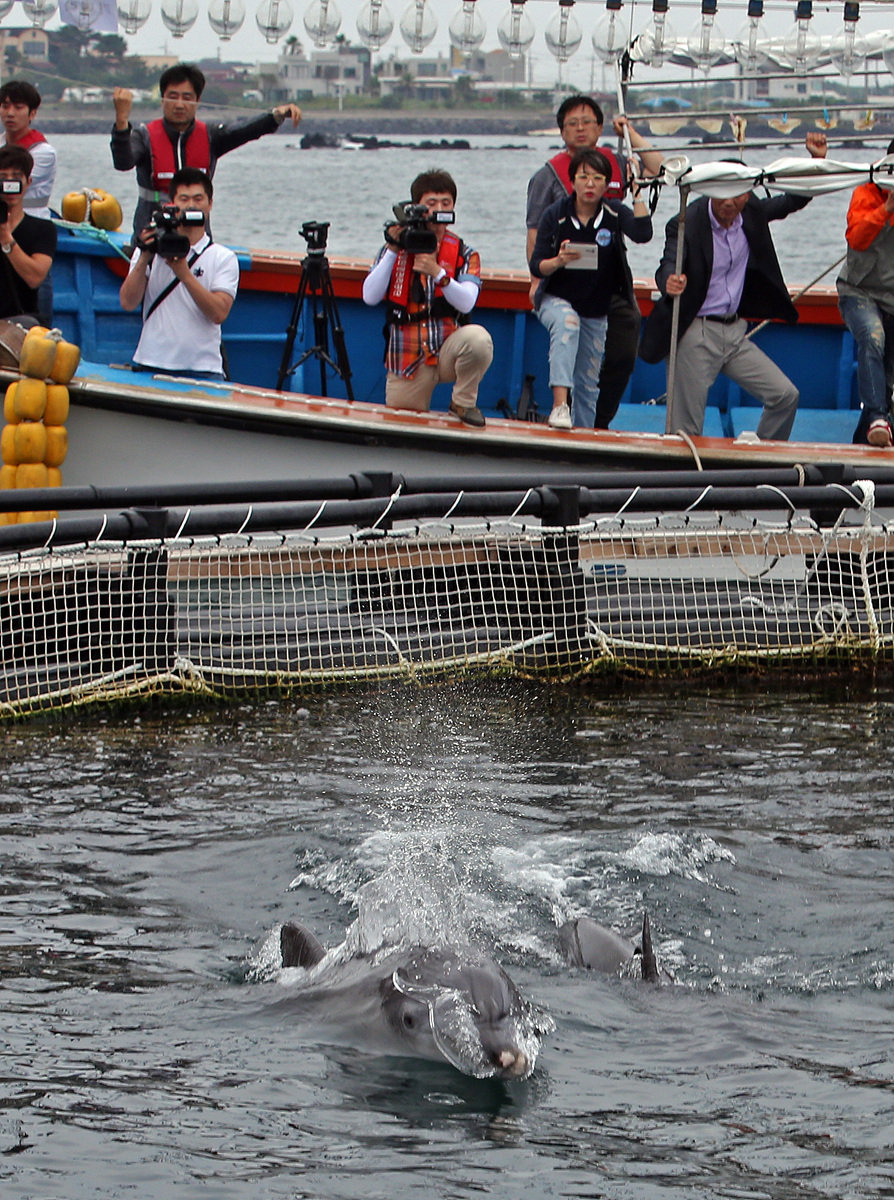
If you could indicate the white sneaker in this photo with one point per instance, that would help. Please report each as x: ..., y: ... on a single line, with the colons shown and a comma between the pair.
x: 560, y: 417
x: 879, y: 434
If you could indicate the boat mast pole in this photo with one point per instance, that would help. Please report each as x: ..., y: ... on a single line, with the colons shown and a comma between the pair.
x: 675, y: 311
x: 621, y: 79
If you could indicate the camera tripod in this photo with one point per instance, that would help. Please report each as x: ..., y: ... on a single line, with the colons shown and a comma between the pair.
x: 316, y: 282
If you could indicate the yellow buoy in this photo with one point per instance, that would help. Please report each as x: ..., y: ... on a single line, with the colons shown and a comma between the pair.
x: 9, y: 408
x: 37, y: 356
x: 75, y: 206
x: 68, y: 355
x: 105, y: 211
x: 56, y: 411
x: 31, y: 475
x: 8, y: 445
x: 57, y: 445
x: 30, y: 399
x: 30, y: 445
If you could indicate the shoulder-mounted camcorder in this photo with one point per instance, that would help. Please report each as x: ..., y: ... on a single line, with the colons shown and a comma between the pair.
x: 414, y: 219
x: 166, y: 221
x: 8, y: 187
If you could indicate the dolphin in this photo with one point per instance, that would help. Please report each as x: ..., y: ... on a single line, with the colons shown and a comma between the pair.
x: 441, y: 1003
x: 586, y: 943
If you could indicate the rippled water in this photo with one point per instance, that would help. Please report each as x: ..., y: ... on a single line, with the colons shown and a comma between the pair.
x: 146, y: 859
x: 266, y: 190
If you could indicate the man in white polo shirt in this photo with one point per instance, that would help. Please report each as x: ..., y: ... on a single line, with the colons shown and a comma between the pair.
x: 185, y: 297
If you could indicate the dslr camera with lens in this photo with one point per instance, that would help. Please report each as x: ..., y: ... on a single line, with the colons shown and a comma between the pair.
x: 414, y: 219
x: 8, y: 187
x: 167, y: 242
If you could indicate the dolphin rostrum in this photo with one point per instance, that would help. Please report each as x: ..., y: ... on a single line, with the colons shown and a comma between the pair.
x: 589, y: 944
x: 439, y: 1003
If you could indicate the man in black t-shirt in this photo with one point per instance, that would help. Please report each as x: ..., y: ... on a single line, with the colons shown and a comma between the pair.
x: 27, y: 244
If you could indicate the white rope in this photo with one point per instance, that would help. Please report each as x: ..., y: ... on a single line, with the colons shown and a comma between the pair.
x: 316, y: 516
x: 689, y: 442
x: 391, y: 502
x: 453, y: 506
x: 522, y: 504
x: 771, y: 487
x: 697, y: 502
x: 248, y: 516
x: 186, y: 517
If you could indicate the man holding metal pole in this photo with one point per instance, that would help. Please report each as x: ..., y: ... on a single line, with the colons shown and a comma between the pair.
x: 727, y: 271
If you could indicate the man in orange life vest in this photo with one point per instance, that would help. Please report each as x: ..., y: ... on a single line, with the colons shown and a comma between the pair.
x: 19, y: 102
x: 177, y: 139
x: 429, y: 297
x: 580, y: 122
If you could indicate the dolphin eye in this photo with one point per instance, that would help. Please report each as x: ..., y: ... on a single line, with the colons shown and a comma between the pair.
x: 409, y: 1020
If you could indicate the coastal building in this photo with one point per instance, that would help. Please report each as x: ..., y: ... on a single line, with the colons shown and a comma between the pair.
x: 340, y: 70
x: 23, y: 45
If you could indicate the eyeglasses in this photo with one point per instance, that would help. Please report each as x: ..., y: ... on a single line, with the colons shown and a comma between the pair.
x: 580, y: 123
x: 590, y: 178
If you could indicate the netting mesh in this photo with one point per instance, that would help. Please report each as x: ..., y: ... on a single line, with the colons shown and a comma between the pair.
x: 235, y: 614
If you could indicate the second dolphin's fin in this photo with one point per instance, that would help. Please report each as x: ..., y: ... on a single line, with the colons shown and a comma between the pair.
x: 651, y: 974
x: 299, y: 947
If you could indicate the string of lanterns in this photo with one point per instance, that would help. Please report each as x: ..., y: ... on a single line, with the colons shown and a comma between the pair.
x: 656, y: 44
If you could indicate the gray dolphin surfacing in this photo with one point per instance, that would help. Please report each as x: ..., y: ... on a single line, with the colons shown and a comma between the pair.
x: 439, y: 1003
x: 586, y: 943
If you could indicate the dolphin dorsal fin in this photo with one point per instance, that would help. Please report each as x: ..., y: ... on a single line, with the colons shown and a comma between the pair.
x: 649, y: 961
x: 299, y: 947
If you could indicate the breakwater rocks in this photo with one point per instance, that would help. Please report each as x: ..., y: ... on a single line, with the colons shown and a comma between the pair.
x: 384, y: 124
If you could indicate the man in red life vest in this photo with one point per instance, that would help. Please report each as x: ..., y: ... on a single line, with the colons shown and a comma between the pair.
x: 19, y: 102
x: 177, y: 139
x: 580, y: 122
x: 429, y: 297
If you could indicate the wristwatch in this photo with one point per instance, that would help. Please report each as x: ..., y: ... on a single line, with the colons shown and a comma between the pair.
x: 442, y: 278
x: 7, y: 247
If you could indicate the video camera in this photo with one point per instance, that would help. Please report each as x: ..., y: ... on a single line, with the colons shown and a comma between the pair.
x: 415, y: 236
x: 167, y: 242
x: 8, y: 187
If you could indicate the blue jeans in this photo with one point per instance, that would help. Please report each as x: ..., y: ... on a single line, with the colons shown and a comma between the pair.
x: 873, y: 331
x: 576, y: 346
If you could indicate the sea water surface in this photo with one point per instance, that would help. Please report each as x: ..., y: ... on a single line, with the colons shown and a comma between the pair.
x: 266, y: 190
x: 147, y: 856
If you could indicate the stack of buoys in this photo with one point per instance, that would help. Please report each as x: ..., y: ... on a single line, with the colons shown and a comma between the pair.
x: 100, y: 208
x: 34, y: 441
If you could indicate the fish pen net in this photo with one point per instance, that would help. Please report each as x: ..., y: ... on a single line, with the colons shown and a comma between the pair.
x: 228, y: 615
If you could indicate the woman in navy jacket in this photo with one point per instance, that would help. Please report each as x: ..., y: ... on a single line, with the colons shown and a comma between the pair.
x: 580, y: 257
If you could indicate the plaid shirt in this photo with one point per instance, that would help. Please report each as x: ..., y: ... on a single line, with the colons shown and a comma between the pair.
x: 412, y: 343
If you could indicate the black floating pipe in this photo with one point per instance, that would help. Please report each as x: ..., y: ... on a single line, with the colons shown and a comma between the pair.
x: 370, y: 484
x: 545, y: 504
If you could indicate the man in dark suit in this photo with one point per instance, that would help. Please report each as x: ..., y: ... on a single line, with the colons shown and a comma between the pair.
x: 730, y: 272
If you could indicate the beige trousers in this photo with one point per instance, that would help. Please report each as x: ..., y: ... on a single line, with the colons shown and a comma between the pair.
x: 462, y: 361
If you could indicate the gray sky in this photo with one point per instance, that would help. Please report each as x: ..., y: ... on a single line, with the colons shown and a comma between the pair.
x: 250, y: 45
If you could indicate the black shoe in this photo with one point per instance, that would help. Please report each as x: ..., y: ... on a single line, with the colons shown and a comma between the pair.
x: 469, y: 416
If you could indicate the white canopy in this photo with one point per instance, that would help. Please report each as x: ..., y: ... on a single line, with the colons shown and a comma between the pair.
x: 800, y: 176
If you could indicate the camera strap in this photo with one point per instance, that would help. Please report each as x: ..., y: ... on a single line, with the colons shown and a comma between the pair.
x: 163, y: 295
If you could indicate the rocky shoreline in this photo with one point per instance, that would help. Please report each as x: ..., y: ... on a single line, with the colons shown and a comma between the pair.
x: 382, y: 122
x: 424, y: 125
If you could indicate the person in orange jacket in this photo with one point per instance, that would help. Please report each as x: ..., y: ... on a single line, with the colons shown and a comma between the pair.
x: 866, y: 300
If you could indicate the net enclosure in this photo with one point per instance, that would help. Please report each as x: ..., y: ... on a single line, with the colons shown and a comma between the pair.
x: 564, y: 595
